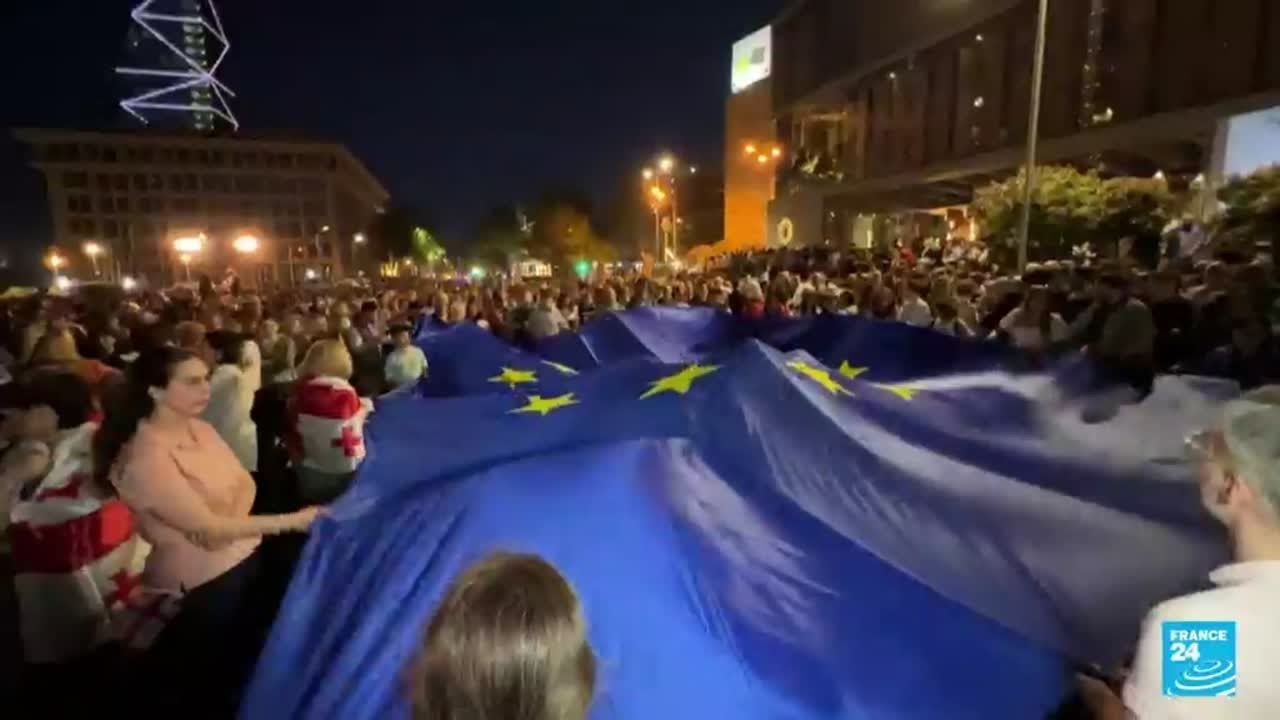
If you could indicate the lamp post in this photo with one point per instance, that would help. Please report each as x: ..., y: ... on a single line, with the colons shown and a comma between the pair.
x: 93, y: 250
x: 1033, y: 135
x: 357, y: 241
x: 246, y: 245
x: 657, y: 196
x: 660, y: 185
x: 187, y: 248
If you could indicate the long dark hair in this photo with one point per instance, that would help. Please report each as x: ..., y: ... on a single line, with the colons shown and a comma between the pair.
x: 131, y: 402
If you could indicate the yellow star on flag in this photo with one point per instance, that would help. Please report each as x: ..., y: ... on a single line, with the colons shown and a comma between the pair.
x: 822, y: 376
x: 679, y: 382
x: 565, y: 369
x: 851, y: 372
x: 543, y: 406
x: 513, y: 378
x: 906, y: 392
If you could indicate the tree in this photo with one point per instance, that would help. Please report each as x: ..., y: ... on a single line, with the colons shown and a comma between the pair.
x: 500, y: 238
x: 1069, y: 209
x: 1252, y: 203
x: 563, y: 235
x: 401, y: 234
x: 425, y: 249
x: 391, y: 234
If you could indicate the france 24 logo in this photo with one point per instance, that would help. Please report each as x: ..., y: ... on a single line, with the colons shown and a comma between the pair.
x: 1199, y: 659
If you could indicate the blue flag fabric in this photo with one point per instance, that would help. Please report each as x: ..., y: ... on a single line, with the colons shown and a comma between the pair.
x: 811, y: 519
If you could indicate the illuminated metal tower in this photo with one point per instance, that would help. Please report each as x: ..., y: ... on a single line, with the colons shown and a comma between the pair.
x: 176, y: 47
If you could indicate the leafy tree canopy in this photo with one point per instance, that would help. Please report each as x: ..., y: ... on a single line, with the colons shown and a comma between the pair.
x: 1252, y: 205
x: 1070, y: 208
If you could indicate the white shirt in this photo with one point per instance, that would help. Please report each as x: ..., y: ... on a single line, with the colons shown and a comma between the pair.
x: 405, y: 365
x: 546, y: 321
x: 1249, y: 595
x: 1031, y: 337
x: 231, y: 390
x: 915, y: 312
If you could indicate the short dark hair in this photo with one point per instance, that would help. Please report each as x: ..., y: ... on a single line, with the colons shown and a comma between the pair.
x: 67, y: 394
x: 398, y: 328
x: 508, y: 641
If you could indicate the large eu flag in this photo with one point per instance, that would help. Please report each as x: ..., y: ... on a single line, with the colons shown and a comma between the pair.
x: 812, y: 519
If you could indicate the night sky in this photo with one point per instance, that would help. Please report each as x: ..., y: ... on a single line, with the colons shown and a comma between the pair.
x: 456, y: 107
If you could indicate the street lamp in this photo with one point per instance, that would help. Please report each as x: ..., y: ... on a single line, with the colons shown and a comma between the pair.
x: 246, y: 244
x: 360, y: 238
x: 189, y: 244
x: 55, y: 261
x: 666, y: 164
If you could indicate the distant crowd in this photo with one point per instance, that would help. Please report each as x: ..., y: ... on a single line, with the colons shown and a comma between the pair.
x: 223, y: 421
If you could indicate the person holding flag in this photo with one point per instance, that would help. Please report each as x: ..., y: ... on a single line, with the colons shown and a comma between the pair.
x: 190, y: 498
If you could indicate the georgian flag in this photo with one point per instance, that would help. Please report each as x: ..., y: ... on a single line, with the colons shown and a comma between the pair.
x: 328, y: 423
x: 76, y: 554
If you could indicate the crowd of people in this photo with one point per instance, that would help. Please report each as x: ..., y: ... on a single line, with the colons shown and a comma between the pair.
x: 223, y: 421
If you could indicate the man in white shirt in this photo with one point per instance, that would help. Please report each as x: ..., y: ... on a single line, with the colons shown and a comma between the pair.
x: 406, y: 362
x: 914, y: 310
x: 1240, y: 487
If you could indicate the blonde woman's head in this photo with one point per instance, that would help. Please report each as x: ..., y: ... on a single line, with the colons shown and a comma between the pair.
x: 56, y: 346
x: 327, y: 358
x: 508, y: 641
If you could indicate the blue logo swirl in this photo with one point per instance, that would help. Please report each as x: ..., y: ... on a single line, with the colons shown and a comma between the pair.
x: 1211, y: 678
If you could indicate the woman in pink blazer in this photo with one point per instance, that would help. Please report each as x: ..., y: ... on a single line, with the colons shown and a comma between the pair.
x: 191, y: 498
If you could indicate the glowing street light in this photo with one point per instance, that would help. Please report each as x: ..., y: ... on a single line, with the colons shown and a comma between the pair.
x: 762, y: 159
x: 93, y: 250
x: 666, y: 164
x: 55, y: 261
x: 750, y: 149
x: 246, y: 244
x: 310, y: 274
x: 189, y: 245
x: 359, y: 239
x: 647, y: 173
x: 776, y: 151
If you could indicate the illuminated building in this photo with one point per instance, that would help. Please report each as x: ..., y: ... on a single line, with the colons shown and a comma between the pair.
x: 175, y: 50
x: 135, y: 192
x: 749, y: 133
x: 907, y: 107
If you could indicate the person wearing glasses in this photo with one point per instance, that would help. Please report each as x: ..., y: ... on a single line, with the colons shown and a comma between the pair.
x: 1240, y: 487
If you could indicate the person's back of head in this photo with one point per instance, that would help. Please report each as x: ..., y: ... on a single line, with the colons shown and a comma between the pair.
x: 228, y: 347
x: 67, y: 394
x: 189, y: 335
x: 508, y: 642
x: 1251, y: 434
x: 327, y: 357
x: 55, y: 347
